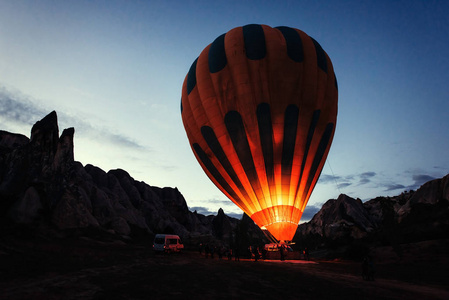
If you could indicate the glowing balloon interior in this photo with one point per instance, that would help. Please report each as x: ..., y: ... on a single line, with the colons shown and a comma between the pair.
x: 259, y: 106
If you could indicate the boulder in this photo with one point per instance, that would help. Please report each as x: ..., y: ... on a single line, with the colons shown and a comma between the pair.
x: 27, y: 209
x: 120, y: 226
x: 73, y: 210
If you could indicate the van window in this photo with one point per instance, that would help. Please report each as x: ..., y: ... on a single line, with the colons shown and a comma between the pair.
x: 159, y: 241
x: 172, y: 241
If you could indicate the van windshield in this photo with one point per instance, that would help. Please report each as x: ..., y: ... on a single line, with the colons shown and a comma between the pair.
x: 159, y: 241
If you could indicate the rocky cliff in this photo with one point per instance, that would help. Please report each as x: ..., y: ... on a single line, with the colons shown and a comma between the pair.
x: 412, y: 216
x: 41, y: 183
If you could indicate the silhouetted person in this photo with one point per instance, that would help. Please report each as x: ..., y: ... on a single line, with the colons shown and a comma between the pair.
x: 230, y: 254
x: 282, y: 250
x: 368, y: 268
x: 256, y: 253
x: 236, y: 254
x: 306, y: 254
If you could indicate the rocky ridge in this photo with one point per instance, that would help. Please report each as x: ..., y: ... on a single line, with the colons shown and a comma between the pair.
x: 410, y: 217
x: 41, y: 183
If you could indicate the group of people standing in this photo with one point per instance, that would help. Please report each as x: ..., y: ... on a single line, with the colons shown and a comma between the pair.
x: 279, y: 251
x: 210, y: 251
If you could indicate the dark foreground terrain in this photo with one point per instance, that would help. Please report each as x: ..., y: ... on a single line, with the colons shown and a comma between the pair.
x: 81, y: 268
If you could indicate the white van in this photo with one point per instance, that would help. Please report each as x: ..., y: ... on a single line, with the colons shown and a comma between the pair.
x: 167, y: 243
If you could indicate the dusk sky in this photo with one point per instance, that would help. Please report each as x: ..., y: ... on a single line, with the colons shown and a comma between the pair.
x: 114, y: 70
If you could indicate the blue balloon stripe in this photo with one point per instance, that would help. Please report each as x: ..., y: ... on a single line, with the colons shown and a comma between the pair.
x: 191, y: 77
x: 213, y: 143
x: 311, y: 131
x: 234, y: 124
x: 266, y: 139
x: 324, y: 143
x: 320, y: 56
x: 294, y: 43
x: 217, y: 56
x: 254, y: 37
x: 288, y: 146
x: 213, y: 171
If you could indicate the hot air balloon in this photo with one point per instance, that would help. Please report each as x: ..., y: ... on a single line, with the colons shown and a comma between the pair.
x: 259, y: 106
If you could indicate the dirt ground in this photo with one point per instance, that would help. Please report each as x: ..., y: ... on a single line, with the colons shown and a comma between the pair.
x: 84, y: 269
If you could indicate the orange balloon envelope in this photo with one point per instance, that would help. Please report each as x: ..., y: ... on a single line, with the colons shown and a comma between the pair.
x: 259, y: 106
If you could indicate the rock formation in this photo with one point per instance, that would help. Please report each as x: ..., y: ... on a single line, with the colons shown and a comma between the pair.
x: 409, y: 217
x: 41, y: 183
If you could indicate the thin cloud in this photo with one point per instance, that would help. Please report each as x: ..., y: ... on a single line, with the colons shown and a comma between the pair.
x: 349, y: 180
x: 237, y: 216
x: 393, y: 187
x: 219, y: 202
x: 149, y: 164
x: 15, y: 107
x: 325, y: 178
x: 119, y: 140
x: 422, y: 178
x: 344, y: 185
x: 441, y: 169
x: 419, y: 180
x: 366, y: 177
x: 339, y: 181
x: 368, y: 174
x: 309, y: 212
x: 364, y: 181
